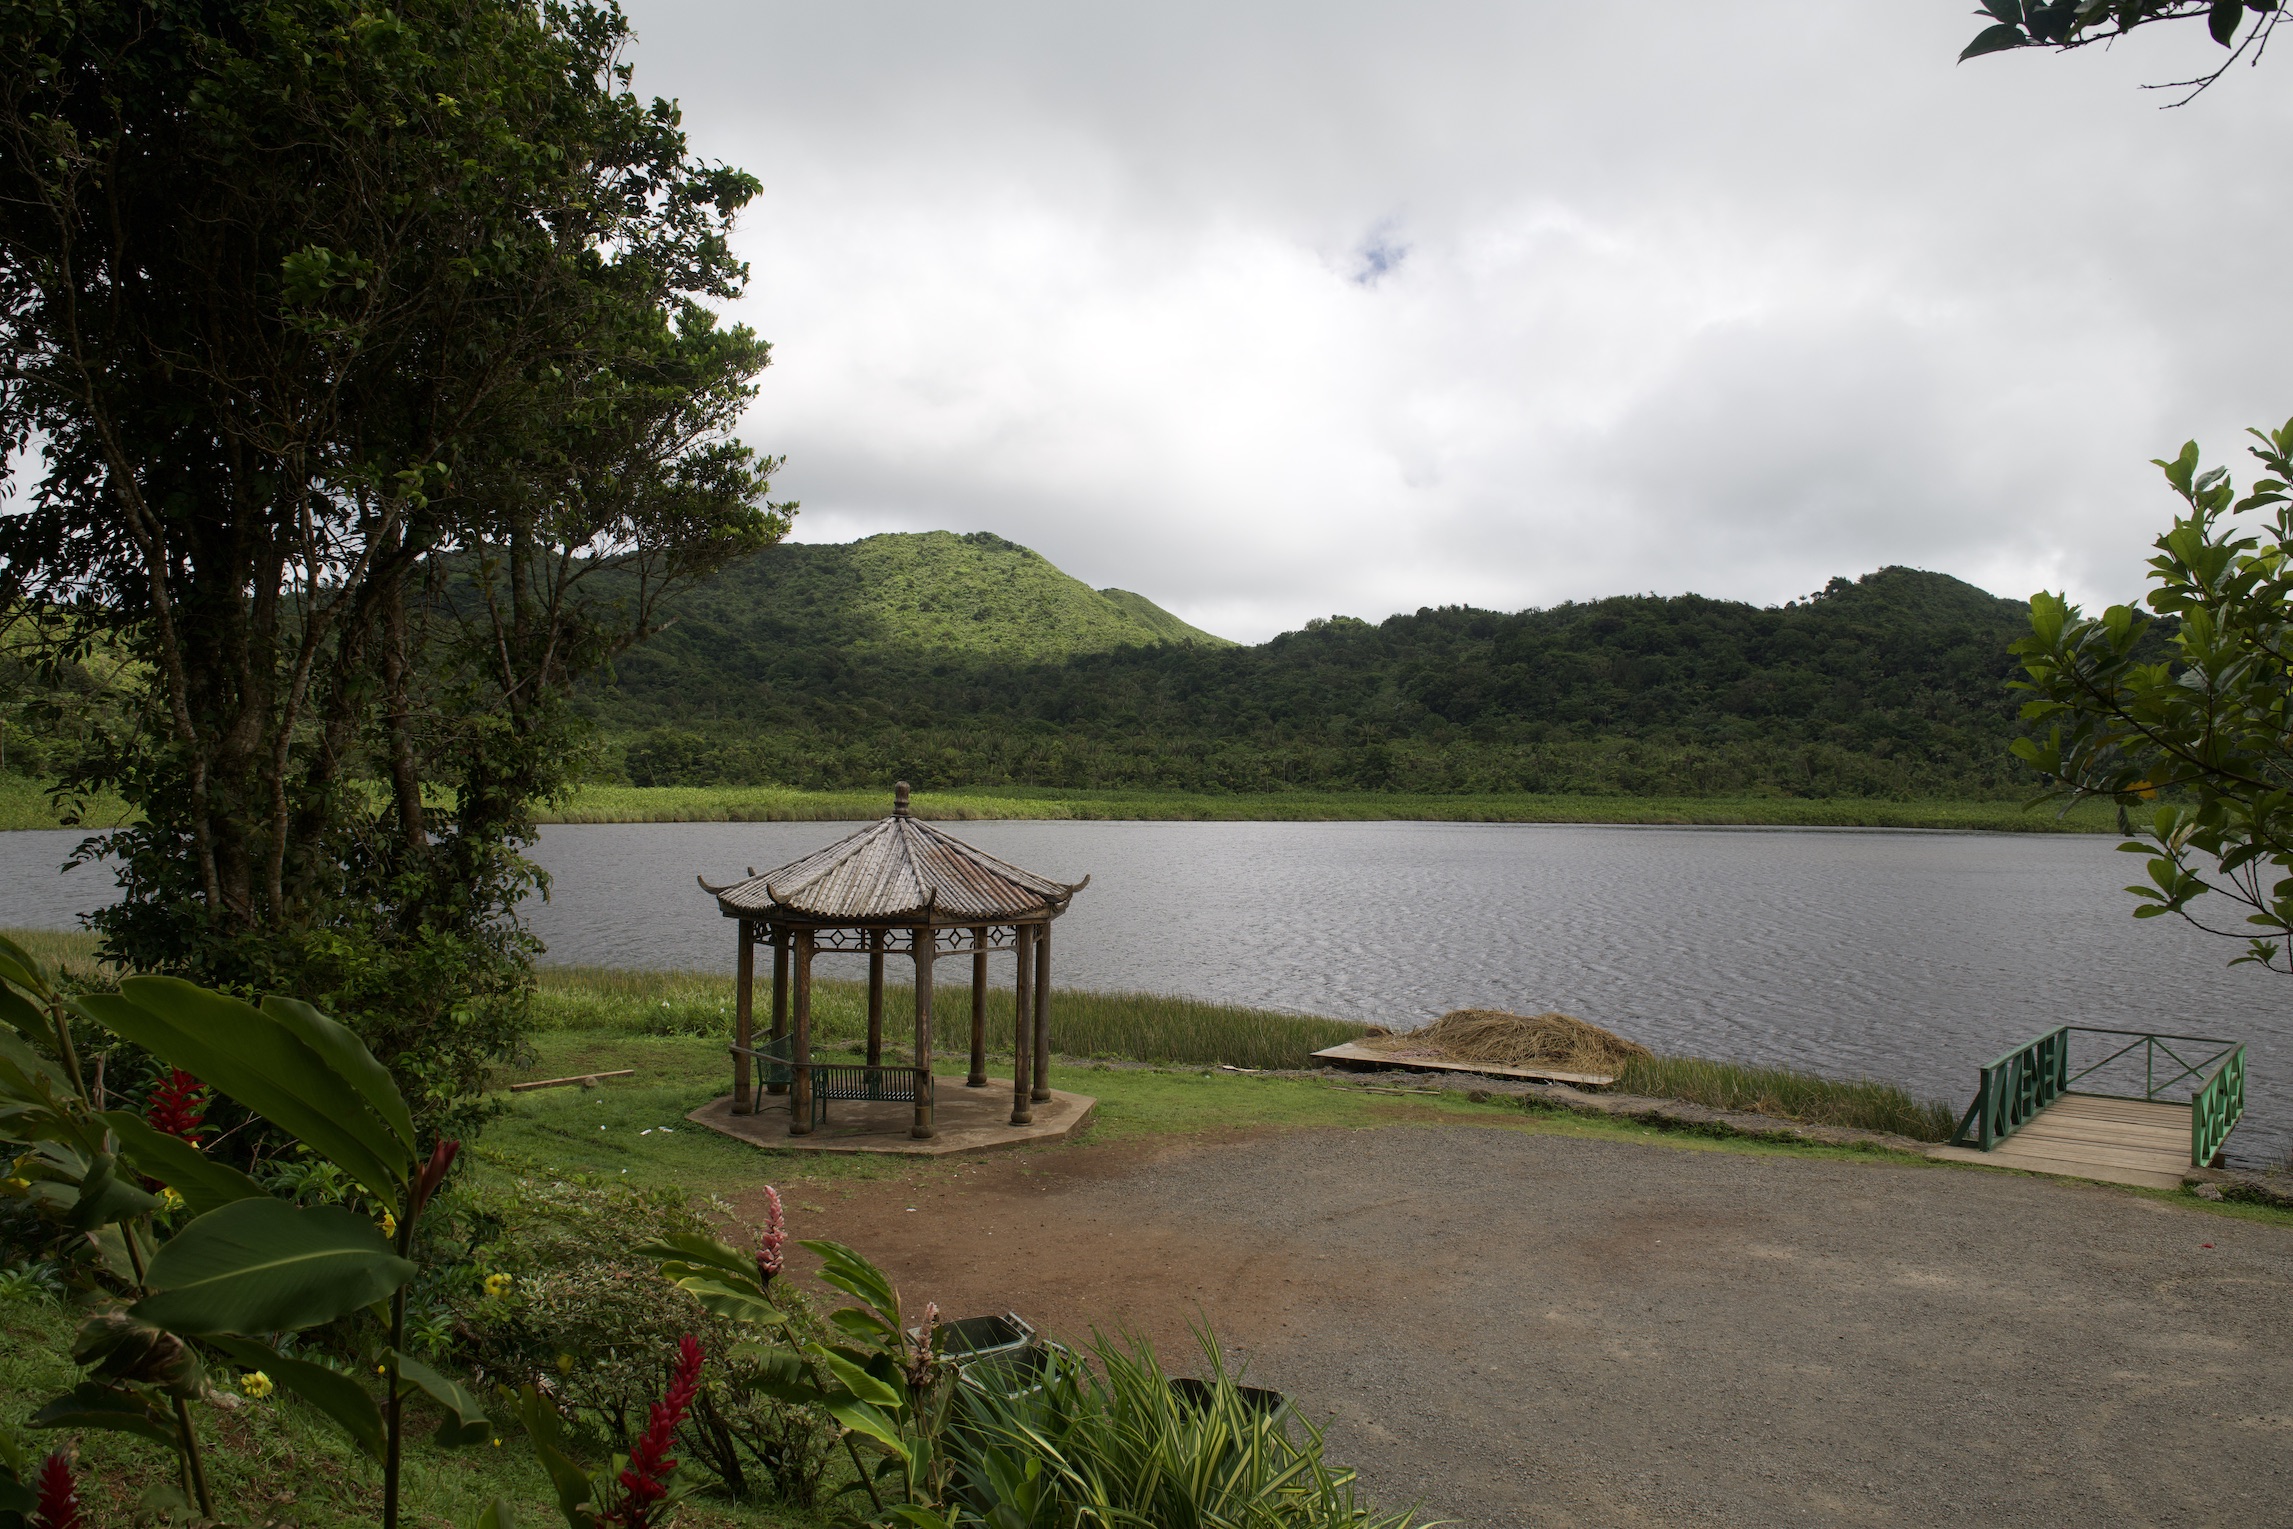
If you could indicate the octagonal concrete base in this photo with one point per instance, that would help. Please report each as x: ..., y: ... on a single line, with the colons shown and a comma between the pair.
x: 967, y: 1120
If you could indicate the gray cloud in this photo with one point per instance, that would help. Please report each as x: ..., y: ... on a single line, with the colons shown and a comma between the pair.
x: 1676, y: 297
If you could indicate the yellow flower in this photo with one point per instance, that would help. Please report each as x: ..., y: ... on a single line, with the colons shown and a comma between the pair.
x: 498, y: 1285
x: 169, y: 1199
x: 565, y: 1364
x: 389, y: 1224
x: 256, y: 1384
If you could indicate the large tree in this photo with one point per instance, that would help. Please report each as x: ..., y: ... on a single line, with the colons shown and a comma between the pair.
x: 358, y: 385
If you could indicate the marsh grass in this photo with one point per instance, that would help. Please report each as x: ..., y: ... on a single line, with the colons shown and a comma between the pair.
x: 25, y: 803
x: 72, y: 949
x: 1142, y: 1027
x: 1146, y: 1027
x: 779, y: 804
x: 1862, y: 1104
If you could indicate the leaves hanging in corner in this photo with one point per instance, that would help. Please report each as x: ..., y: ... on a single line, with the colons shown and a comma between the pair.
x: 1993, y: 40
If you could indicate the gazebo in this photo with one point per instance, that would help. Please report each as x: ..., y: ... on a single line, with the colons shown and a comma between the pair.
x: 897, y: 887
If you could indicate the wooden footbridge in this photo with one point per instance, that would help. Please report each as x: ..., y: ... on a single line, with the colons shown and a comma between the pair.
x: 2177, y: 1098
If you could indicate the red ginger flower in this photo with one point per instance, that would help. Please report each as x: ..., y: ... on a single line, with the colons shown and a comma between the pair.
x: 641, y: 1481
x: 178, y: 1105
x: 775, y: 1237
x: 59, y: 1499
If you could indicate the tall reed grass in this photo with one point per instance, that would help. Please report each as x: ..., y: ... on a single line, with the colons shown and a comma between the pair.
x: 1144, y: 1027
x: 1862, y: 1104
x: 73, y: 948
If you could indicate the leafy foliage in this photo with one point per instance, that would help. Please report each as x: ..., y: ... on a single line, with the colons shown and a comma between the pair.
x: 1888, y: 686
x: 2196, y: 744
x: 246, y: 1269
x: 2081, y: 23
x: 1109, y: 1437
x: 1035, y: 1439
x: 581, y: 1318
x: 361, y: 346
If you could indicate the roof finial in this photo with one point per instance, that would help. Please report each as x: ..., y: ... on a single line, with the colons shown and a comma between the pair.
x: 900, y: 800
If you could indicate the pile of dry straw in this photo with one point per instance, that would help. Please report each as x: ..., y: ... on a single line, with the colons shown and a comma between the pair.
x: 1492, y: 1037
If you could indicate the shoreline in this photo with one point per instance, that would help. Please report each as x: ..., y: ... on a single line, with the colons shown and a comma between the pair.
x: 760, y: 804
x: 24, y: 806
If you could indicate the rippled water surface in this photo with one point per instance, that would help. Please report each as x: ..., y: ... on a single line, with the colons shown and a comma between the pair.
x: 1909, y: 956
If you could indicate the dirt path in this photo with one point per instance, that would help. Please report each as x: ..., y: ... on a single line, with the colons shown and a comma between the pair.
x: 1528, y: 1329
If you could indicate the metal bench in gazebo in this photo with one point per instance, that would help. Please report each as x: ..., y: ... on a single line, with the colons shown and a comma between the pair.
x: 897, y: 887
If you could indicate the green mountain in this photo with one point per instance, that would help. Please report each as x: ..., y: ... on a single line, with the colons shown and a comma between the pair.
x: 1168, y: 628
x: 973, y: 597
x: 968, y: 661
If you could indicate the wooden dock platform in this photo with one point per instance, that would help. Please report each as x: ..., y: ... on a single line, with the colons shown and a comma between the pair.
x: 2088, y: 1136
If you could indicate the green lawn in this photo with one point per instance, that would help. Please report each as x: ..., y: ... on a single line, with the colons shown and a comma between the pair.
x: 614, y: 1131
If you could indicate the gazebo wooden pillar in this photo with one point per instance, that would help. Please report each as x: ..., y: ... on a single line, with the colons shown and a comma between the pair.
x: 779, y: 1000
x: 898, y: 886
x: 1042, y: 1076
x: 875, y: 998
x: 1022, y: 1028
x: 978, y: 1075
x: 744, y: 1021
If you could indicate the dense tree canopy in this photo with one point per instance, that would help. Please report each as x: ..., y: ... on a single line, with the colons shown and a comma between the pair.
x: 346, y: 349
x: 1892, y: 685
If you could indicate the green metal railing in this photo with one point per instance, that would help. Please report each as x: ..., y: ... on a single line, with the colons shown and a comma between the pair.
x: 2215, y: 1109
x: 2032, y: 1076
x: 2015, y: 1088
x: 773, y: 1056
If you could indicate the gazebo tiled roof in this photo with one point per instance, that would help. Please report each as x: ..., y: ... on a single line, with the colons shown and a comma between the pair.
x: 897, y: 870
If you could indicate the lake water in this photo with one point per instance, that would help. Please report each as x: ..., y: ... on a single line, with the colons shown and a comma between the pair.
x: 1912, y: 957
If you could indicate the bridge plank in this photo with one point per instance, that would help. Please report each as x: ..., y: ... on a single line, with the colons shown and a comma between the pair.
x: 2110, y: 1131
x: 2106, y: 1173
x: 2117, y: 1141
x: 2101, y: 1106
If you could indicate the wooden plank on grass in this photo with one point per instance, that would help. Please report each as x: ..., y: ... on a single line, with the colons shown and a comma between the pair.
x: 579, y: 1077
x: 1354, y: 1052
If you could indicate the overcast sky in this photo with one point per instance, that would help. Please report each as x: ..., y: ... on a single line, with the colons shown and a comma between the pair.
x: 1270, y: 311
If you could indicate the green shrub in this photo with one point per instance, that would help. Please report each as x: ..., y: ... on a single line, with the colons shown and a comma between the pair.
x: 1862, y: 1104
x: 1112, y: 1440
x: 595, y: 1329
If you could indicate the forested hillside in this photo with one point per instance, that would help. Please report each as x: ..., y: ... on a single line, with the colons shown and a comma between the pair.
x: 970, y: 597
x: 1890, y: 685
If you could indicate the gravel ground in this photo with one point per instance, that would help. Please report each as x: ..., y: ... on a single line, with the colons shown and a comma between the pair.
x: 1516, y: 1328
